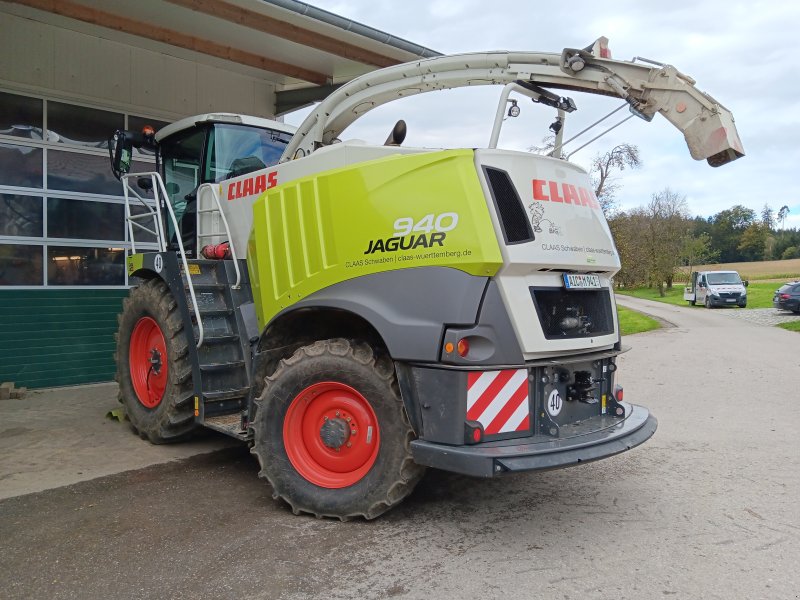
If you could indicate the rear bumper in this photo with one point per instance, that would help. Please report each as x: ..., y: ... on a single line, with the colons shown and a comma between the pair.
x: 787, y: 305
x: 587, y: 441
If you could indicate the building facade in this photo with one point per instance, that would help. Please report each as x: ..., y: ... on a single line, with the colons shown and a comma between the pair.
x: 68, y: 80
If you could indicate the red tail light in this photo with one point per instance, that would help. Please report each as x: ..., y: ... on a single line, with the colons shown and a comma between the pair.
x: 473, y: 432
x: 463, y: 347
x: 784, y: 296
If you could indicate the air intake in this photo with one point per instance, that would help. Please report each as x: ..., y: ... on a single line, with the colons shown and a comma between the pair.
x: 513, y: 218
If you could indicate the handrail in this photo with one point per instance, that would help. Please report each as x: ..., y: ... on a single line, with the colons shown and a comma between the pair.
x: 151, y: 212
x: 215, y: 195
x: 158, y: 187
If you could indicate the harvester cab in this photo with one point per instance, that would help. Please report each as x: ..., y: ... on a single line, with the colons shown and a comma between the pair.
x: 359, y: 312
x: 204, y: 149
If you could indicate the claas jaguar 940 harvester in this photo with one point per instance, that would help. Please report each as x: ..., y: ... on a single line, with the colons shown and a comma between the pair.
x: 357, y: 313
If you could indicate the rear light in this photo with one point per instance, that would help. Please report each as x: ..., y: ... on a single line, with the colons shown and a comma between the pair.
x: 619, y: 395
x: 473, y: 432
x: 784, y: 296
x: 463, y: 347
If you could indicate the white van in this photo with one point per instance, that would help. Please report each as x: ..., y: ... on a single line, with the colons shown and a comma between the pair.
x: 716, y: 288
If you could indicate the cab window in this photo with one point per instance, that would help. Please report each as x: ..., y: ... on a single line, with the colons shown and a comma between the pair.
x: 234, y: 150
x: 182, y: 156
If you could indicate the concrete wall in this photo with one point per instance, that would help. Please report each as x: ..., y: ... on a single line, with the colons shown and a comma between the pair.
x: 48, y: 60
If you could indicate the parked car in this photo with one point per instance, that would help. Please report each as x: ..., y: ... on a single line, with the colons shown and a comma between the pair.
x: 716, y: 288
x: 787, y: 297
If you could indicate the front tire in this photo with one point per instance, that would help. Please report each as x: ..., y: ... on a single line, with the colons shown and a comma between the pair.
x: 708, y: 302
x: 331, y: 433
x: 153, y: 369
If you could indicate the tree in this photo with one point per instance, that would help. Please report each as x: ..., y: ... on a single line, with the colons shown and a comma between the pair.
x: 753, y: 241
x: 697, y: 250
x: 546, y: 147
x: 628, y: 229
x: 727, y: 228
x: 768, y: 216
x: 782, y: 214
x: 602, y: 171
x: 651, y: 240
x: 791, y: 252
x: 669, y: 227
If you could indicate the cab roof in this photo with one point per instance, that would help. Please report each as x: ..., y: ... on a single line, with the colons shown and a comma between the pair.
x: 231, y: 118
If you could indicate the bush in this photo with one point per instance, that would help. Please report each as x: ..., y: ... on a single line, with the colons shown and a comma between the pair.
x: 791, y: 252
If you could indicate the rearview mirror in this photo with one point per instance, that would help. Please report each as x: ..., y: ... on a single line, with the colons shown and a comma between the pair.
x: 120, y: 150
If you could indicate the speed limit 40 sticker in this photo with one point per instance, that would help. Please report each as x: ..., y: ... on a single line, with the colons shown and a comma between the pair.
x: 554, y: 403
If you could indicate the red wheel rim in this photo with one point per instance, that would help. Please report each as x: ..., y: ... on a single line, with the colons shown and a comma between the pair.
x: 148, y: 362
x: 331, y: 435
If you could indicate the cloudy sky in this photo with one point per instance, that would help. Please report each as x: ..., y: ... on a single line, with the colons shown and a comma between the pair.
x: 742, y: 53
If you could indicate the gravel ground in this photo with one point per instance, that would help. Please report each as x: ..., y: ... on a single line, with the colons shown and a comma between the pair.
x: 761, y: 316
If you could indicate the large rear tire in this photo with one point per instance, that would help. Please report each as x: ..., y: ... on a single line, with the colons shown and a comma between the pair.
x: 331, y: 433
x: 153, y: 369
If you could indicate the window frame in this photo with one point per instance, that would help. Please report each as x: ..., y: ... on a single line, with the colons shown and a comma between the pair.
x: 46, y: 241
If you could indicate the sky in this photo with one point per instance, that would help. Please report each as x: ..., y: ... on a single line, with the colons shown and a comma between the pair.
x: 742, y: 53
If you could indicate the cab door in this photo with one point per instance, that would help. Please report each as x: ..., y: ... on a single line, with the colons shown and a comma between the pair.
x: 702, y: 289
x: 182, y: 160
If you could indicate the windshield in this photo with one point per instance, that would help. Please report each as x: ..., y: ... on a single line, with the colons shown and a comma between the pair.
x: 234, y: 150
x: 724, y: 279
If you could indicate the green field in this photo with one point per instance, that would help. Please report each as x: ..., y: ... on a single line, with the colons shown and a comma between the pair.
x: 631, y: 322
x: 791, y: 326
x: 759, y: 295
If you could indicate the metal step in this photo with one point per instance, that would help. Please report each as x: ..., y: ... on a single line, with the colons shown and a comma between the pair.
x: 213, y: 312
x: 206, y: 286
x: 220, y: 338
x: 228, y: 424
x: 210, y: 367
x: 220, y: 395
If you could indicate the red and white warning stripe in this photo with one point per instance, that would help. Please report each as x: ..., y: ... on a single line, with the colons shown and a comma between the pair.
x: 498, y: 400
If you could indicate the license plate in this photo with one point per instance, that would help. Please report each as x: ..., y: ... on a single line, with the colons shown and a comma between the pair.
x: 578, y: 281
x: 731, y: 300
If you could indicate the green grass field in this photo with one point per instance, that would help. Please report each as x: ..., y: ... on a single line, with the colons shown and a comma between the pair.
x: 759, y: 295
x: 791, y: 326
x: 631, y: 322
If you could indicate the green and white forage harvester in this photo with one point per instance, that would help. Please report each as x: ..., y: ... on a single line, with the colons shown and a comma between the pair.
x: 359, y: 312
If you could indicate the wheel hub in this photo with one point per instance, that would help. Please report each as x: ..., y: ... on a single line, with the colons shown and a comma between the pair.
x: 334, y: 433
x: 331, y: 435
x: 147, y: 362
x: 155, y: 360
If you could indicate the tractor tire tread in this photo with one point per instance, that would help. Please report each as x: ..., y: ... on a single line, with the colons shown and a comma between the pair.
x: 173, y: 420
x: 408, y: 474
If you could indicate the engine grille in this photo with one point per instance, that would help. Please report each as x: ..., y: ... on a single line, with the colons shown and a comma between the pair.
x: 729, y: 294
x: 566, y: 314
x: 513, y: 218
